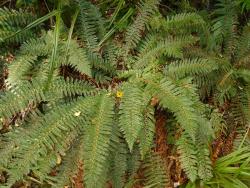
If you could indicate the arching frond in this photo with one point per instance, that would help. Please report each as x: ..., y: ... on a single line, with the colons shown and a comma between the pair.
x: 91, y: 25
x: 97, y: 140
x: 146, y: 135
x: 190, y: 67
x: 173, y: 98
x: 76, y: 58
x: 71, y: 163
x: 155, y: 172
x: 134, y: 31
x: 11, y: 21
x: 183, y: 23
x: 171, y: 47
x: 131, y: 118
x: 47, y: 135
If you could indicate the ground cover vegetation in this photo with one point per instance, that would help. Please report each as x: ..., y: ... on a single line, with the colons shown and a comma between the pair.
x: 122, y: 93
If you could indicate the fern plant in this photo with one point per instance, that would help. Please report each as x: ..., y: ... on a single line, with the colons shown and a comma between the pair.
x: 100, y: 119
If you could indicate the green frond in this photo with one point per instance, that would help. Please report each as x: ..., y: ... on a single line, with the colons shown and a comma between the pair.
x: 243, y: 46
x: 47, y: 135
x: 76, y: 58
x: 146, y: 136
x: 91, y: 25
x: 184, y: 104
x: 18, y: 98
x: 97, y: 140
x: 71, y: 88
x: 38, y: 46
x: 241, y: 139
x: 44, y: 166
x: 171, y: 47
x: 131, y: 108
x: 11, y: 21
x: 118, y: 154
x: 133, y: 162
x: 188, y: 156
x: 237, y: 111
x: 68, y: 157
x: 134, y: 31
x: 224, y: 26
x: 19, y: 69
x: 204, y: 164
x: 226, y: 88
x: 245, y: 101
x: 190, y: 67
x: 155, y: 172
x: 174, y: 98
x: 148, y: 43
x: 183, y: 23
x: 70, y: 164
x: 118, y: 161
x: 217, y: 122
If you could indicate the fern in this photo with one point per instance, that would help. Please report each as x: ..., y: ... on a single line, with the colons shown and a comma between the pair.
x: 19, y: 98
x: 155, y: 173
x: 71, y: 163
x: 147, y: 132
x: 131, y: 119
x: 188, y: 156
x: 12, y: 21
x: 190, y: 67
x: 171, y: 47
x: 183, y: 23
x: 89, y: 103
x: 97, y: 142
x: 133, y: 34
x: 91, y: 24
x: 172, y: 97
x: 224, y: 23
x: 48, y: 133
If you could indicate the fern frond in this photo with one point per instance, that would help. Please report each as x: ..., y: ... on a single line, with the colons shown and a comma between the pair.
x: 171, y: 47
x: 225, y: 24
x: 17, y: 99
x: 76, y: 58
x: 97, y: 142
x: 146, y: 135
x: 131, y: 118
x: 44, y: 166
x: 133, y: 34
x: 38, y: 46
x: 174, y: 98
x: 13, y: 20
x: 190, y: 67
x: 70, y: 164
x: 243, y: 46
x: 133, y: 161
x: 183, y: 23
x: 47, y: 135
x: 204, y: 163
x: 70, y: 88
x: 242, y: 139
x: 91, y: 25
x: 155, y: 172
x: 19, y: 69
x: 188, y: 156
x: 118, y: 161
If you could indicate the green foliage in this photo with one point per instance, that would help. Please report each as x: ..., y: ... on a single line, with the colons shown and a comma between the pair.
x: 155, y: 173
x: 131, y: 117
x: 79, y: 99
x: 13, y: 20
